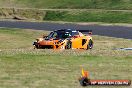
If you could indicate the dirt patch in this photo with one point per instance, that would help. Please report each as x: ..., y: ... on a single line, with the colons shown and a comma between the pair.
x: 21, y: 14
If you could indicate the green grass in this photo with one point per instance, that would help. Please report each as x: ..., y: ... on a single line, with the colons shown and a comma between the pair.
x: 90, y: 16
x: 23, y: 67
x: 17, y: 38
x: 38, y: 71
x: 104, y: 16
x: 81, y: 4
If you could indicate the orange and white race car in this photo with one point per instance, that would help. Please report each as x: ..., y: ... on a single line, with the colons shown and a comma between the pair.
x: 65, y: 39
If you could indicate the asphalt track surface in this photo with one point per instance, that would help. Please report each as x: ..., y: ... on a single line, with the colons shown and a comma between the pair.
x: 111, y: 31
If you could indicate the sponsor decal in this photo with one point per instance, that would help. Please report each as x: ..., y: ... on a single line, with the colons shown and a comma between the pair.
x: 86, y: 81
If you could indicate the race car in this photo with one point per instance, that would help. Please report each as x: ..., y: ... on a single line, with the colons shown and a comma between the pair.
x: 65, y: 39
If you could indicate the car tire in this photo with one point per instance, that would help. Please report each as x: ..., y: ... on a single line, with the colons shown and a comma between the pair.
x: 68, y: 45
x: 90, y: 44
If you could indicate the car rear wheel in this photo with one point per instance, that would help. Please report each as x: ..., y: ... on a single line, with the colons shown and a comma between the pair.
x: 90, y: 44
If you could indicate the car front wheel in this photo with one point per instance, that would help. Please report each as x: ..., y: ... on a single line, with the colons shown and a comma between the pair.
x: 68, y: 45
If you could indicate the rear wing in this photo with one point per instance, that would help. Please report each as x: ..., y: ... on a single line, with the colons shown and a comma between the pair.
x: 89, y: 31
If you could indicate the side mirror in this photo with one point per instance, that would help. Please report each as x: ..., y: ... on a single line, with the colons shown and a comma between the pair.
x: 90, y: 33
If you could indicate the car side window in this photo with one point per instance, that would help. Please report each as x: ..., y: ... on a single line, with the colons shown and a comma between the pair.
x: 75, y: 33
x: 55, y: 35
x: 50, y: 35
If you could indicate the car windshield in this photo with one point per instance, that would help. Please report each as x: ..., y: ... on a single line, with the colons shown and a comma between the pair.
x: 62, y: 34
x: 59, y: 34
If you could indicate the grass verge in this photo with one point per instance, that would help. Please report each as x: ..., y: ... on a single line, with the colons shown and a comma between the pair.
x: 90, y: 16
x: 23, y: 67
x: 72, y: 4
x: 106, y: 16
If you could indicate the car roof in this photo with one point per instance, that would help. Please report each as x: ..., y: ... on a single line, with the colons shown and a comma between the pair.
x: 65, y: 30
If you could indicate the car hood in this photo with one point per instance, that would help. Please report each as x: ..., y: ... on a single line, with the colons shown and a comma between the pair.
x: 48, y: 42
